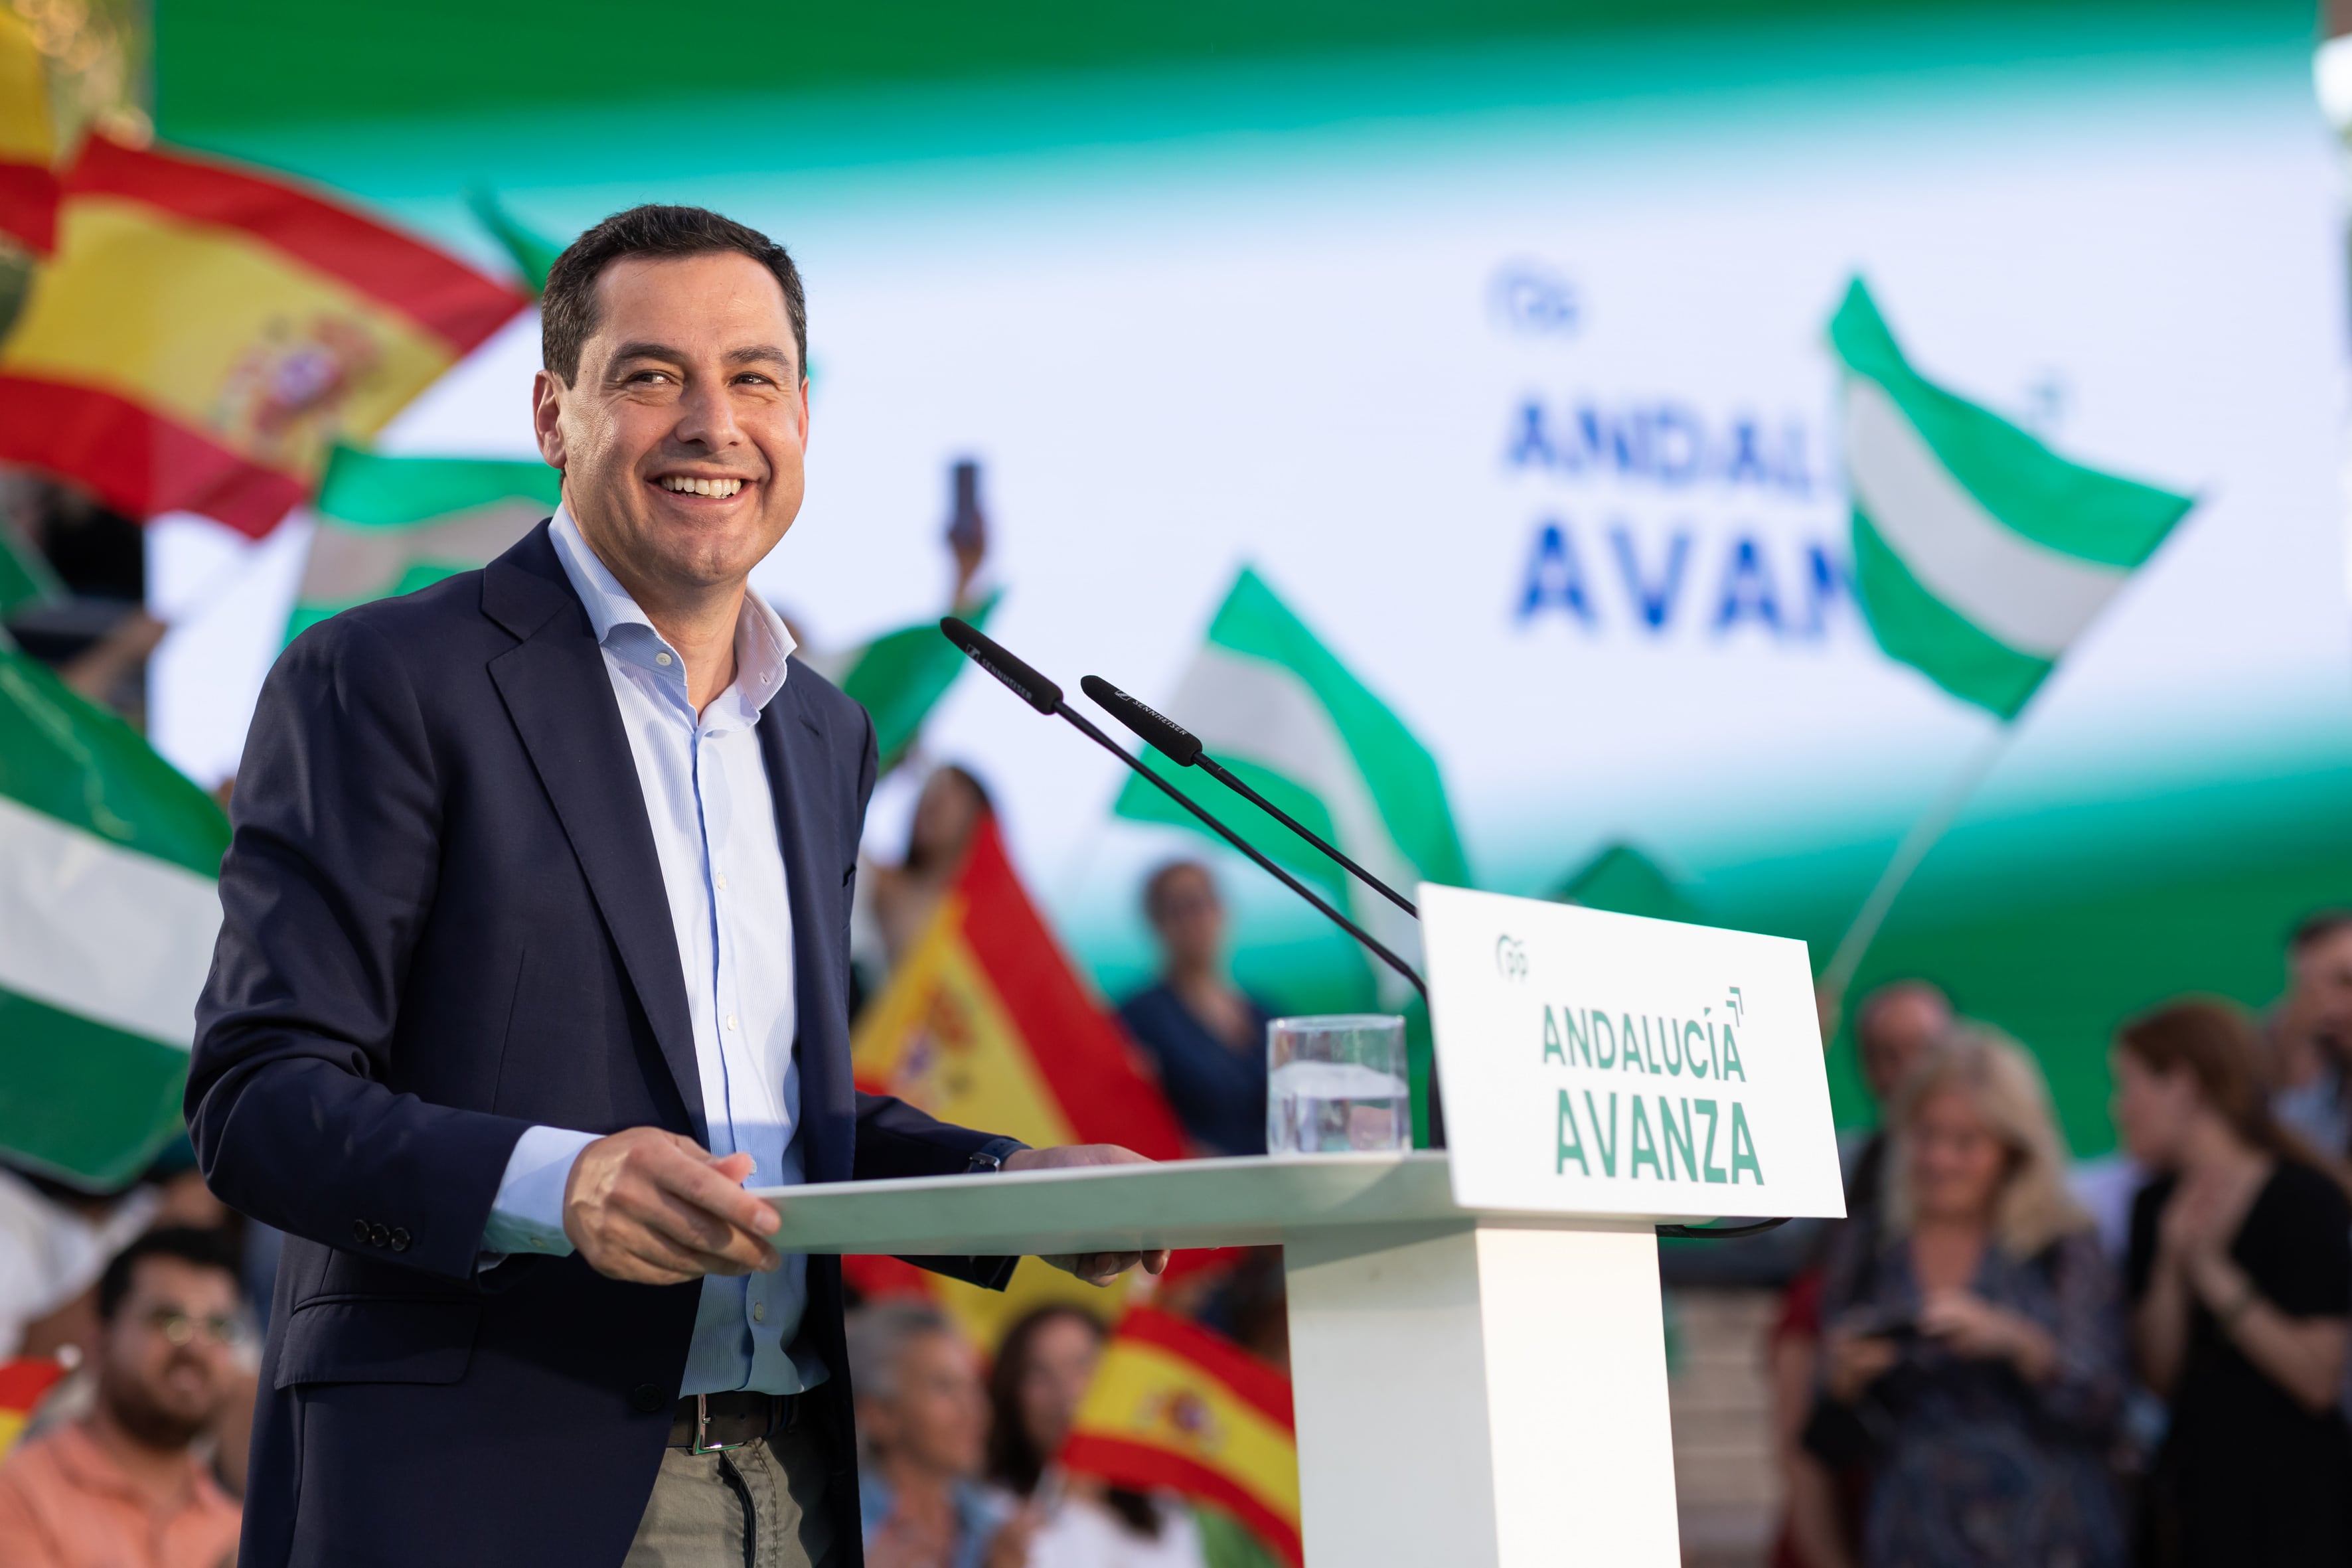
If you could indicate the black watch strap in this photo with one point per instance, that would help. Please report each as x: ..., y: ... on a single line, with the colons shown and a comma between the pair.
x: 992, y: 1155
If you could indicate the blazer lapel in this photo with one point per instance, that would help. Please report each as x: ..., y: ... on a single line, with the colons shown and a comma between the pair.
x: 560, y: 696
x: 792, y: 747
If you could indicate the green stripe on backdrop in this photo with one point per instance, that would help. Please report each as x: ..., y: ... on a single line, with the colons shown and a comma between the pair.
x: 1398, y: 769
x: 82, y: 765
x: 1915, y: 626
x: 2021, y: 482
x: 233, y: 63
x: 82, y: 1101
x: 368, y: 489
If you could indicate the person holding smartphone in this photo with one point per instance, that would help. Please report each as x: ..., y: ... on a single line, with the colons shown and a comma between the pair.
x: 1972, y: 1361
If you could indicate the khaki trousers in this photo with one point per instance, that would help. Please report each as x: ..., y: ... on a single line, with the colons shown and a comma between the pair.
x: 758, y: 1505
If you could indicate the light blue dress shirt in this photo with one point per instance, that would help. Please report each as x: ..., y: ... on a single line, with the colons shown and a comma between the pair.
x: 714, y: 824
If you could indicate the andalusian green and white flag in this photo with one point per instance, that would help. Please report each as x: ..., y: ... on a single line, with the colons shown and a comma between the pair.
x: 109, y: 864
x: 1269, y: 701
x: 900, y: 676
x: 392, y: 525
x: 1980, y: 555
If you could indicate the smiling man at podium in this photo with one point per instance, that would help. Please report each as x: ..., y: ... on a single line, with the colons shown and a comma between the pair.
x: 535, y: 947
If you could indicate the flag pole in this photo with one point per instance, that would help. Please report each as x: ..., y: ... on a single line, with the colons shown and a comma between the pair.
x: 1924, y: 834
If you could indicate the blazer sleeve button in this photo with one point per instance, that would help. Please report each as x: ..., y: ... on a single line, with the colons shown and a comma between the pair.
x: 360, y: 1231
x: 378, y: 1235
x: 646, y: 1398
x: 400, y: 1240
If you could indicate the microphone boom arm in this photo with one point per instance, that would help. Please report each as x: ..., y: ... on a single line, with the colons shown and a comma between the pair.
x: 1225, y: 775
x: 1181, y: 746
x: 1086, y: 727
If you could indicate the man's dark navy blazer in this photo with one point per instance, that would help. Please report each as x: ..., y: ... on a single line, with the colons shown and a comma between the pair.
x: 444, y: 921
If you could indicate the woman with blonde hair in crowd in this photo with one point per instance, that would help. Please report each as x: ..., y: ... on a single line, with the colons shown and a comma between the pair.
x: 2240, y: 1275
x: 1973, y: 1362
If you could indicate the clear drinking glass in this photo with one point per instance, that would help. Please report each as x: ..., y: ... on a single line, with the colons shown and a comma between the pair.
x: 1335, y: 1083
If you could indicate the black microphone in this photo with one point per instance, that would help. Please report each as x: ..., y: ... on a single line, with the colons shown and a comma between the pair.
x: 1034, y: 689
x: 1183, y: 747
x: 1046, y: 697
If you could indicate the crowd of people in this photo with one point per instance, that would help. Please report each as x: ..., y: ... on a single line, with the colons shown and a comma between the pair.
x: 958, y: 1465
x: 1977, y: 1367
x: 1999, y: 1357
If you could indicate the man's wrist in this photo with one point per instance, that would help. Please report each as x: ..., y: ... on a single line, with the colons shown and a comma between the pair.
x: 527, y: 1214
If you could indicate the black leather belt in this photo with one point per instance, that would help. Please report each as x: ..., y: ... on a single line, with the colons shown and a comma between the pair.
x: 714, y: 1423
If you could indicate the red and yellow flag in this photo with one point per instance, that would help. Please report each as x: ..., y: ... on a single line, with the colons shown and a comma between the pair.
x: 1173, y: 1406
x: 202, y: 335
x: 28, y: 189
x: 985, y: 1024
x: 23, y: 1383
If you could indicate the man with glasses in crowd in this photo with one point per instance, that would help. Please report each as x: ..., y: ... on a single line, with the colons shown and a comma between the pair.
x: 123, y: 1486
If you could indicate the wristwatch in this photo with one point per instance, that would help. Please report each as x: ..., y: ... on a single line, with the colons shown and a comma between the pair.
x: 992, y: 1155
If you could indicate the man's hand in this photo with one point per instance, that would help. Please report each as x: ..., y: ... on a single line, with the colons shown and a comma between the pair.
x: 656, y: 1208
x: 1094, y: 1268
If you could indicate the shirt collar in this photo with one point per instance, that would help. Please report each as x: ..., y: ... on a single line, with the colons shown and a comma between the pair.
x: 762, y: 644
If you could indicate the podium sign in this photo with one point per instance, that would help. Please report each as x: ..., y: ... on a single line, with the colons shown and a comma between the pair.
x: 1477, y: 1349
x: 1603, y: 1064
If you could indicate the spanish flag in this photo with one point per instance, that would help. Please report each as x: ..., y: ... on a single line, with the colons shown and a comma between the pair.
x: 985, y: 1024
x: 28, y: 190
x: 202, y: 335
x: 23, y: 1383
x: 1174, y: 1406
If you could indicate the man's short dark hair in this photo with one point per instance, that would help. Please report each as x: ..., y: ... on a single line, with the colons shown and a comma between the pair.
x: 203, y: 1248
x: 567, y: 309
x: 2314, y: 929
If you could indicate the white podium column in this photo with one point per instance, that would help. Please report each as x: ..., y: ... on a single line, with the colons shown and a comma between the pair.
x: 1479, y: 1394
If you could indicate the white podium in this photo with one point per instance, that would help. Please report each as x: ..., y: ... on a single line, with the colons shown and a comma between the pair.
x: 1478, y: 1356
x: 1471, y: 1387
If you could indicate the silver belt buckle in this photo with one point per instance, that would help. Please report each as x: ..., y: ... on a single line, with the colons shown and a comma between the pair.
x: 701, y: 1444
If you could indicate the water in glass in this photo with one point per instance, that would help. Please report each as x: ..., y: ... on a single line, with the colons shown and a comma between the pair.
x: 1337, y: 1082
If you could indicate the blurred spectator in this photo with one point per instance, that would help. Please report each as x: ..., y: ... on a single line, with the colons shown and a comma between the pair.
x: 904, y: 897
x: 2311, y: 1034
x: 922, y: 1419
x: 1973, y: 1360
x: 2241, y: 1277
x: 1042, y: 1372
x: 1206, y: 1034
x: 54, y: 1242
x: 122, y: 1487
x: 1893, y: 1028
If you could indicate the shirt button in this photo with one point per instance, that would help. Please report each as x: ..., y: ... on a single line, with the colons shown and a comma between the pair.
x: 663, y: 660
x: 722, y: 881
x: 730, y: 1020
x: 758, y: 1311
